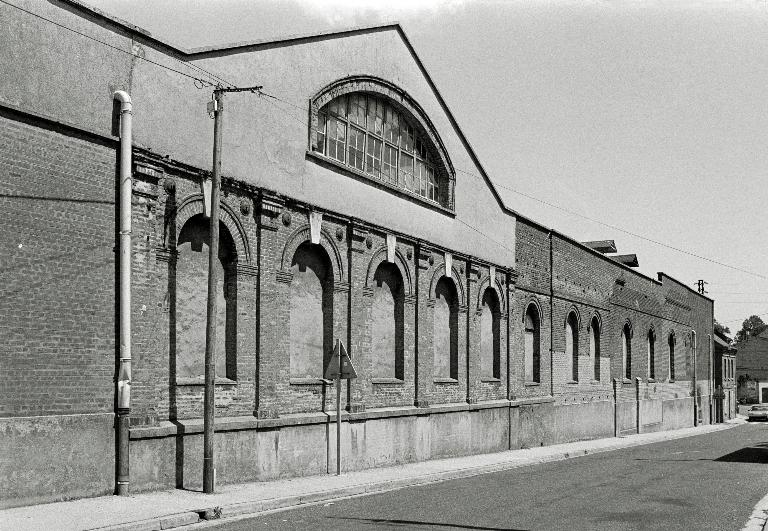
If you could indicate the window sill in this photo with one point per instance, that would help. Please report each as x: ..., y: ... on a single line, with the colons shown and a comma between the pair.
x: 626, y: 380
x: 671, y: 380
x: 532, y: 384
x: 445, y: 380
x: 354, y: 172
x: 387, y: 381
x: 651, y: 380
x: 490, y: 379
x: 595, y: 381
x: 310, y: 381
x: 200, y: 382
x: 572, y: 382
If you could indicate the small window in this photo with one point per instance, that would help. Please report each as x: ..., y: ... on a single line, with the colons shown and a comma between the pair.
x: 672, y: 356
x: 490, y: 327
x: 594, y: 346
x: 572, y: 345
x: 651, y: 354
x: 532, y: 345
x: 626, y: 350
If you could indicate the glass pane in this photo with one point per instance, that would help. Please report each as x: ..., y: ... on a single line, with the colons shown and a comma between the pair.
x: 421, y: 178
x: 338, y: 106
x: 406, y: 137
x: 337, y: 132
x: 389, y: 164
x: 392, y: 126
x: 320, y: 133
x: 406, y: 171
x: 357, y: 109
x: 356, y: 148
x: 375, y: 116
x: 373, y: 156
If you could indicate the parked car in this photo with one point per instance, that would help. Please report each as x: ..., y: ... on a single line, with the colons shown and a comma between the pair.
x: 758, y: 412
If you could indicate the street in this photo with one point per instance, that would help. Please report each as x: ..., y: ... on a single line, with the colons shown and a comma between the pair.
x: 709, y: 482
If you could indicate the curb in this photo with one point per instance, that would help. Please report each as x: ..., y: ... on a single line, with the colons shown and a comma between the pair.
x: 254, y: 507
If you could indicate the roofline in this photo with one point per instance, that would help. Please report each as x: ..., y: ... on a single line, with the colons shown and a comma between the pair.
x: 673, y: 279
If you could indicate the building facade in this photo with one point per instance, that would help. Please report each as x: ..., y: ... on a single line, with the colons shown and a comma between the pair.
x: 725, y: 378
x: 752, y: 370
x: 364, y: 217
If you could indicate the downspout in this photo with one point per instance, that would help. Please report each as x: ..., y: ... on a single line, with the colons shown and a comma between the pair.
x: 124, y: 373
x: 695, y: 384
x: 551, y: 319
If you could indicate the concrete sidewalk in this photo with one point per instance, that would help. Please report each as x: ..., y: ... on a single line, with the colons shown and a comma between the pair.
x: 175, y: 508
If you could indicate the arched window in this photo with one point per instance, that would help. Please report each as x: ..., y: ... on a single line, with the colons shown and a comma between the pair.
x: 594, y: 345
x: 377, y: 137
x: 532, y: 344
x: 387, y: 322
x: 626, y: 350
x: 446, y: 330
x: 572, y: 345
x: 311, y: 317
x: 651, y: 354
x: 490, y: 347
x: 191, y: 299
x: 671, y: 342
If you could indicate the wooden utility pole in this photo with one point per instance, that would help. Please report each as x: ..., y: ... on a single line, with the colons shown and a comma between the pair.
x: 209, y: 472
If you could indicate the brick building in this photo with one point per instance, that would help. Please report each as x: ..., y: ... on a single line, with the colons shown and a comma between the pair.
x: 752, y: 370
x: 371, y: 220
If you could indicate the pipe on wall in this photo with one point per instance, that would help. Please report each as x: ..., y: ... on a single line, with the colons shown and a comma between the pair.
x: 124, y: 373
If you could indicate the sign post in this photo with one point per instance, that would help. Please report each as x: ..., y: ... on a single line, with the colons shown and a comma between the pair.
x: 340, y: 368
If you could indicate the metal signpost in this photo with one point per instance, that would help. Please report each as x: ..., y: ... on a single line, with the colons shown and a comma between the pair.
x: 340, y: 368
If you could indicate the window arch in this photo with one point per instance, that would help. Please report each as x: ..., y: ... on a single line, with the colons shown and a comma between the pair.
x: 626, y: 350
x: 594, y: 345
x: 387, y: 322
x: 311, y: 312
x: 671, y: 342
x: 191, y: 296
x: 572, y: 345
x: 375, y: 129
x: 490, y: 327
x: 445, y: 339
x: 532, y: 344
x: 651, y: 354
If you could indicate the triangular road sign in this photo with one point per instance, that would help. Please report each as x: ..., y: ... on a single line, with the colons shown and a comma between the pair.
x: 340, y: 365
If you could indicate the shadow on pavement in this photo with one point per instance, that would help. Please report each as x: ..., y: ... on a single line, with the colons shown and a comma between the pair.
x: 411, y: 524
x: 757, y: 453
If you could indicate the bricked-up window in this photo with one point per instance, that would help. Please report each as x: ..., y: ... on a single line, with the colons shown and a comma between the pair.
x: 387, y: 323
x: 651, y: 354
x: 368, y: 133
x: 445, y: 339
x: 671, y: 343
x: 532, y: 344
x: 311, y: 312
x: 490, y: 344
x: 572, y: 345
x: 626, y: 350
x: 594, y: 345
x: 189, y: 298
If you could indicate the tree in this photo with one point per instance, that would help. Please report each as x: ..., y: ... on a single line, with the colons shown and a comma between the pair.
x: 754, y: 326
x: 721, y: 329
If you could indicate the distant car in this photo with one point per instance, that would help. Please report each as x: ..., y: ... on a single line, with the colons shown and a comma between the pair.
x: 759, y: 412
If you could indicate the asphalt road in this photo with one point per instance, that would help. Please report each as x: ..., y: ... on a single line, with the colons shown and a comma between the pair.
x: 707, y: 482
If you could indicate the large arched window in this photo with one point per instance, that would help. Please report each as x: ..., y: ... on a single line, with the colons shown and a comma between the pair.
x: 572, y: 345
x: 651, y: 354
x: 532, y: 344
x: 191, y: 297
x: 626, y: 350
x: 378, y: 138
x: 594, y: 345
x: 671, y: 342
x: 387, y: 322
x: 490, y: 325
x: 311, y: 326
x: 446, y: 330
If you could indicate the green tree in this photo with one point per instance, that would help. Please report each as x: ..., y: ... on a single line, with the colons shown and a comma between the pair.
x: 754, y: 326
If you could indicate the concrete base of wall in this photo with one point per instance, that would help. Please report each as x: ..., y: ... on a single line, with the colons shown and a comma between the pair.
x: 254, y: 450
x: 52, y: 458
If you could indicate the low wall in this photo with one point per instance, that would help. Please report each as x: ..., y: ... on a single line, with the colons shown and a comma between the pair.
x: 51, y: 458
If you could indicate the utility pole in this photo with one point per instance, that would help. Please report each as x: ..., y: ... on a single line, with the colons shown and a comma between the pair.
x: 216, y: 108
x: 209, y: 472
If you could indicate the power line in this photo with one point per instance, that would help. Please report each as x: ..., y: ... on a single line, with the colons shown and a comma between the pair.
x: 625, y: 231
x: 203, y: 83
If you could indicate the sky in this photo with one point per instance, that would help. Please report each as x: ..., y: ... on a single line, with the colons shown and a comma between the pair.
x: 647, y: 117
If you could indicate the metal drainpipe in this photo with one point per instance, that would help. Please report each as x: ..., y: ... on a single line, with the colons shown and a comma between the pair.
x: 551, y: 319
x: 124, y: 374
